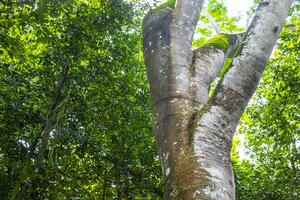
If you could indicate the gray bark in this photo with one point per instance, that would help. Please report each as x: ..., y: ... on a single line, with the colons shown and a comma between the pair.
x: 194, y: 131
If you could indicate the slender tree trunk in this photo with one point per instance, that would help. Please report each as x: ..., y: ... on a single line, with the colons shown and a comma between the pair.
x: 194, y: 131
x: 212, y: 21
x: 18, y: 189
x: 52, y: 117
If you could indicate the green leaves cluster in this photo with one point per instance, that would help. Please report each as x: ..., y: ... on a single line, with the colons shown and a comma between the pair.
x: 100, y: 144
x: 218, y: 10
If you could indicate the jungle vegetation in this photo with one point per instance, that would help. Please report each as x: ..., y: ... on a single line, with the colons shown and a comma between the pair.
x: 75, y: 120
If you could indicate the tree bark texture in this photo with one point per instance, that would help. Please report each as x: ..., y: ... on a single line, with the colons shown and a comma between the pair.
x: 194, y: 131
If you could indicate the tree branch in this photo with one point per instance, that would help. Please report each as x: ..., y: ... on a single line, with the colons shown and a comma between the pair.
x: 156, y: 44
x: 208, y: 62
x: 49, y: 123
x: 212, y: 21
x: 242, y: 78
x: 167, y: 36
x: 184, y: 20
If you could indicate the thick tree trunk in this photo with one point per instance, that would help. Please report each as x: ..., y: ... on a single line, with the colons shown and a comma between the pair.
x: 194, y: 132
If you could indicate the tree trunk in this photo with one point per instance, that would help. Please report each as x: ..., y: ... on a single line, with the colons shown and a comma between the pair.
x: 194, y: 131
x: 52, y: 117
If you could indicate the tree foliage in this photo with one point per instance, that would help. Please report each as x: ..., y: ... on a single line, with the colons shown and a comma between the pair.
x: 100, y: 142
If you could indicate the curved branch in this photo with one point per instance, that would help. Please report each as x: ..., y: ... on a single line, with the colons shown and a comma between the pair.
x: 208, y: 62
x: 242, y: 78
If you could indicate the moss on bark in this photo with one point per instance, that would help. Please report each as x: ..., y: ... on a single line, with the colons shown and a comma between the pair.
x: 220, y: 41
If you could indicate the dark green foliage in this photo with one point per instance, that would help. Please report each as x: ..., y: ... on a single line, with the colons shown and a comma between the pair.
x: 218, y: 10
x: 101, y: 145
